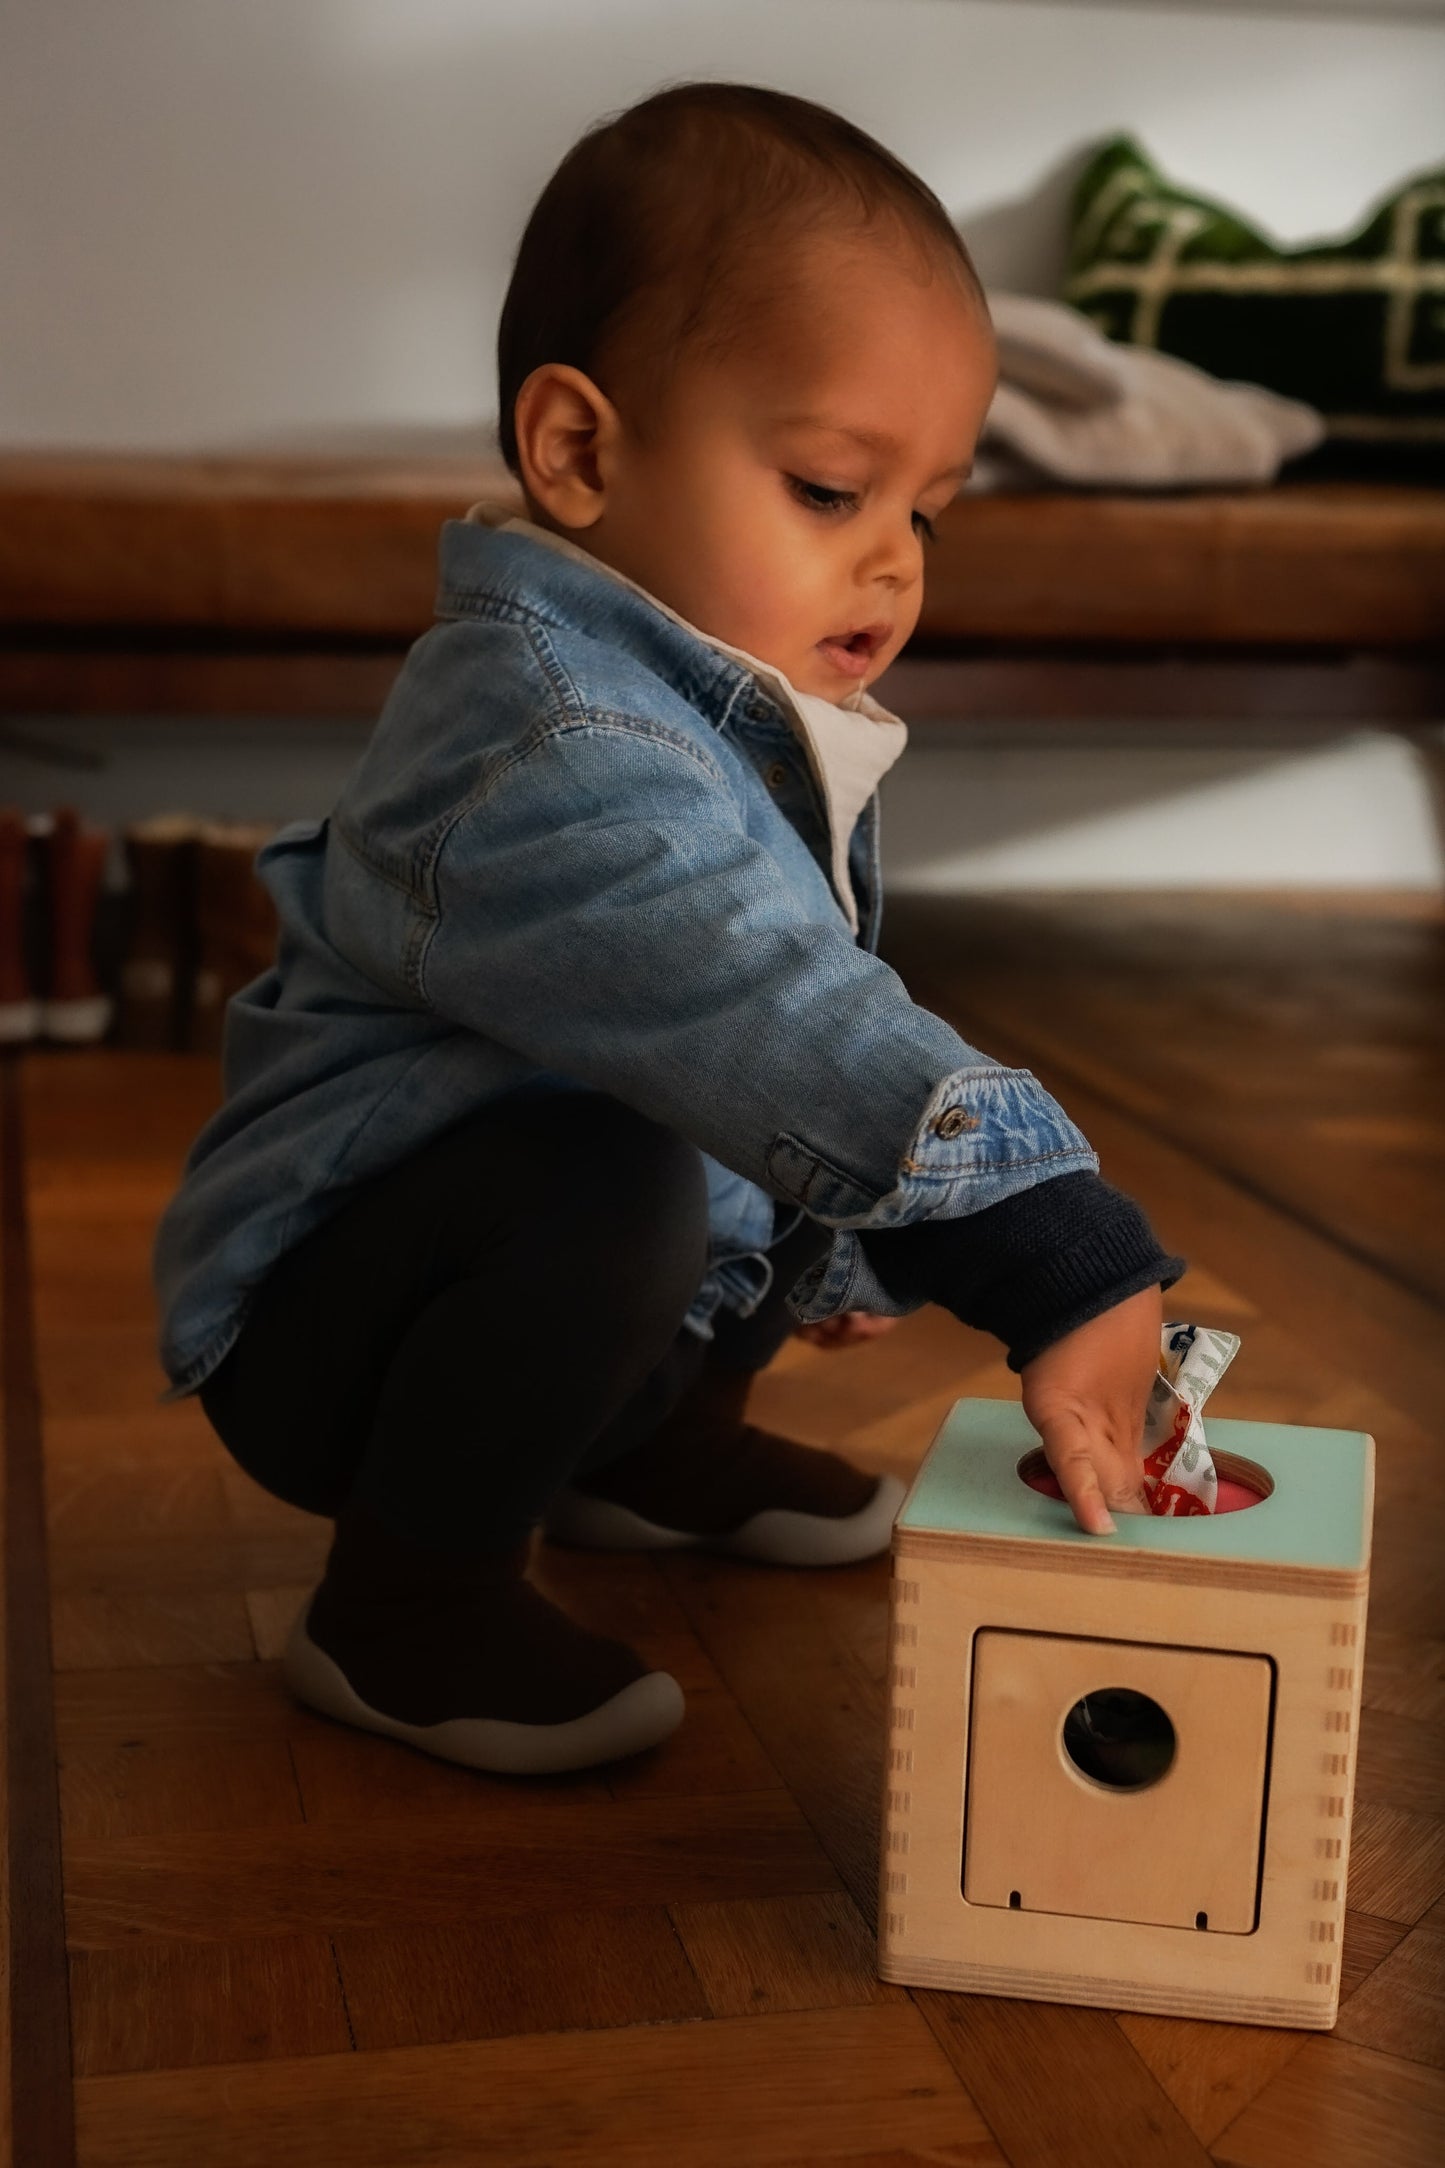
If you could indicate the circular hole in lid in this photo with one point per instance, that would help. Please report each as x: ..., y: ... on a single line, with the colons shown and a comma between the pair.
x: 1242, y: 1483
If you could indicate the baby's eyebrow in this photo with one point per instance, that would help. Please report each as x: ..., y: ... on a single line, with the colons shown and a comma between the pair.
x: 872, y: 440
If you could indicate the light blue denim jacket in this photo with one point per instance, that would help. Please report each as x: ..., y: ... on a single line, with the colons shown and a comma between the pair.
x: 584, y: 850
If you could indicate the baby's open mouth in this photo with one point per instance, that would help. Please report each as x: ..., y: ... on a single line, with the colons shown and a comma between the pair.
x: 852, y: 652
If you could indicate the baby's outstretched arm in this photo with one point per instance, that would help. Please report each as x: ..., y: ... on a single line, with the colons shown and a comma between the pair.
x: 654, y: 951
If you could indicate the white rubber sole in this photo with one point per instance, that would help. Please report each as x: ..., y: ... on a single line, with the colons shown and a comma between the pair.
x: 777, y: 1537
x: 642, y: 1715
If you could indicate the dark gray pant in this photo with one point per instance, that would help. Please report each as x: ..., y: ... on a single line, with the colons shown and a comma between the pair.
x: 486, y: 1319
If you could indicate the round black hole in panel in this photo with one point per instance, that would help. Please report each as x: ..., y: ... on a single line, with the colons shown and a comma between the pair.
x: 1119, y: 1738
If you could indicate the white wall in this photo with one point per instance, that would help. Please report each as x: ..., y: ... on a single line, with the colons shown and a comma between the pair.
x: 244, y: 222
x: 230, y: 219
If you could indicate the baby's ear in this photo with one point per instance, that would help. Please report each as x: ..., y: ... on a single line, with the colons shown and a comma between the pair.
x: 565, y: 428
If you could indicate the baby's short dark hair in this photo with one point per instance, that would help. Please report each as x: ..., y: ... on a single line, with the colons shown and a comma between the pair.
x: 650, y: 218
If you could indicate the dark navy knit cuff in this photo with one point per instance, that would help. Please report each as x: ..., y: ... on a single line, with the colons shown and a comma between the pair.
x: 1030, y: 1268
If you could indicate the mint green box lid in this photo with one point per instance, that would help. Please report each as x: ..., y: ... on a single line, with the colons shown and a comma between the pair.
x: 1318, y: 1513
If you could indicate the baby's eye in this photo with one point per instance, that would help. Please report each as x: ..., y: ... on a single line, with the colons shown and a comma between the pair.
x: 819, y: 498
x: 924, y: 526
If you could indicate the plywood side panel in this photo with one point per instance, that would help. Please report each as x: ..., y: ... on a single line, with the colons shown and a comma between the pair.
x: 1287, y: 1970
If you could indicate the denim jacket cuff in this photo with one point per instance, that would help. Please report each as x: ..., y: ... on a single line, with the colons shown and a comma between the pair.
x: 986, y: 1133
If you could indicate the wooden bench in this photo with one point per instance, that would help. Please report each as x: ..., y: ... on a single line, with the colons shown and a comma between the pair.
x: 293, y: 587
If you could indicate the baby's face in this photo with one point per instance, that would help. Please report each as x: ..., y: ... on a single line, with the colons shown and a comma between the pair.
x: 780, y: 499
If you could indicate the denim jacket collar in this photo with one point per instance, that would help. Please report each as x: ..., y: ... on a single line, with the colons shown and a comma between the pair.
x: 850, y: 745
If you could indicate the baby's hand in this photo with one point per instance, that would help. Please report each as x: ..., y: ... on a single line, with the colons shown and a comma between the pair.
x: 1086, y: 1396
x: 845, y: 1330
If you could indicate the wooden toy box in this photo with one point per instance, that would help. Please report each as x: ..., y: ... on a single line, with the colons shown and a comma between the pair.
x: 1204, y: 1875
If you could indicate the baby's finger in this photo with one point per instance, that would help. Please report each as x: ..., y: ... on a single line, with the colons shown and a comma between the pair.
x: 846, y: 1330
x: 1121, y: 1478
x: 1068, y: 1456
x: 862, y: 1325
x: 827, y: 1332
x: 1095, y: 1476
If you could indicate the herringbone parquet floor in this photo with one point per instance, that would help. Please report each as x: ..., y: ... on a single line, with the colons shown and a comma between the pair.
x: 294, y: 1945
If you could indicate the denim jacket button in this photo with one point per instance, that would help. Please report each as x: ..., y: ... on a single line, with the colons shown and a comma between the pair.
x: 953, y: 1121
x: 777, y: 775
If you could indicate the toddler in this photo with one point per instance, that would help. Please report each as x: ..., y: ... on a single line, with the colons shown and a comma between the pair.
x: 577, y: 1082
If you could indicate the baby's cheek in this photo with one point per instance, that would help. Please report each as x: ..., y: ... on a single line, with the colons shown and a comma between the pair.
x: 770, y: 621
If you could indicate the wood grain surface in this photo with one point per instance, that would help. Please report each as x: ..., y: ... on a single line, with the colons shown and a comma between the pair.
x: 295, y: 1944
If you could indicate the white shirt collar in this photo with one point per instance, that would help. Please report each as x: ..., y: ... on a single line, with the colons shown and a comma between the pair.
x: 851, y: 745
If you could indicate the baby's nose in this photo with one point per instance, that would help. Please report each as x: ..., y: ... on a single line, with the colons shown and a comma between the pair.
x: 898, y: 563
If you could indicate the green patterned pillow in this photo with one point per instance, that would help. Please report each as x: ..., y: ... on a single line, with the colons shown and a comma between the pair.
x: 1356, y: 327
